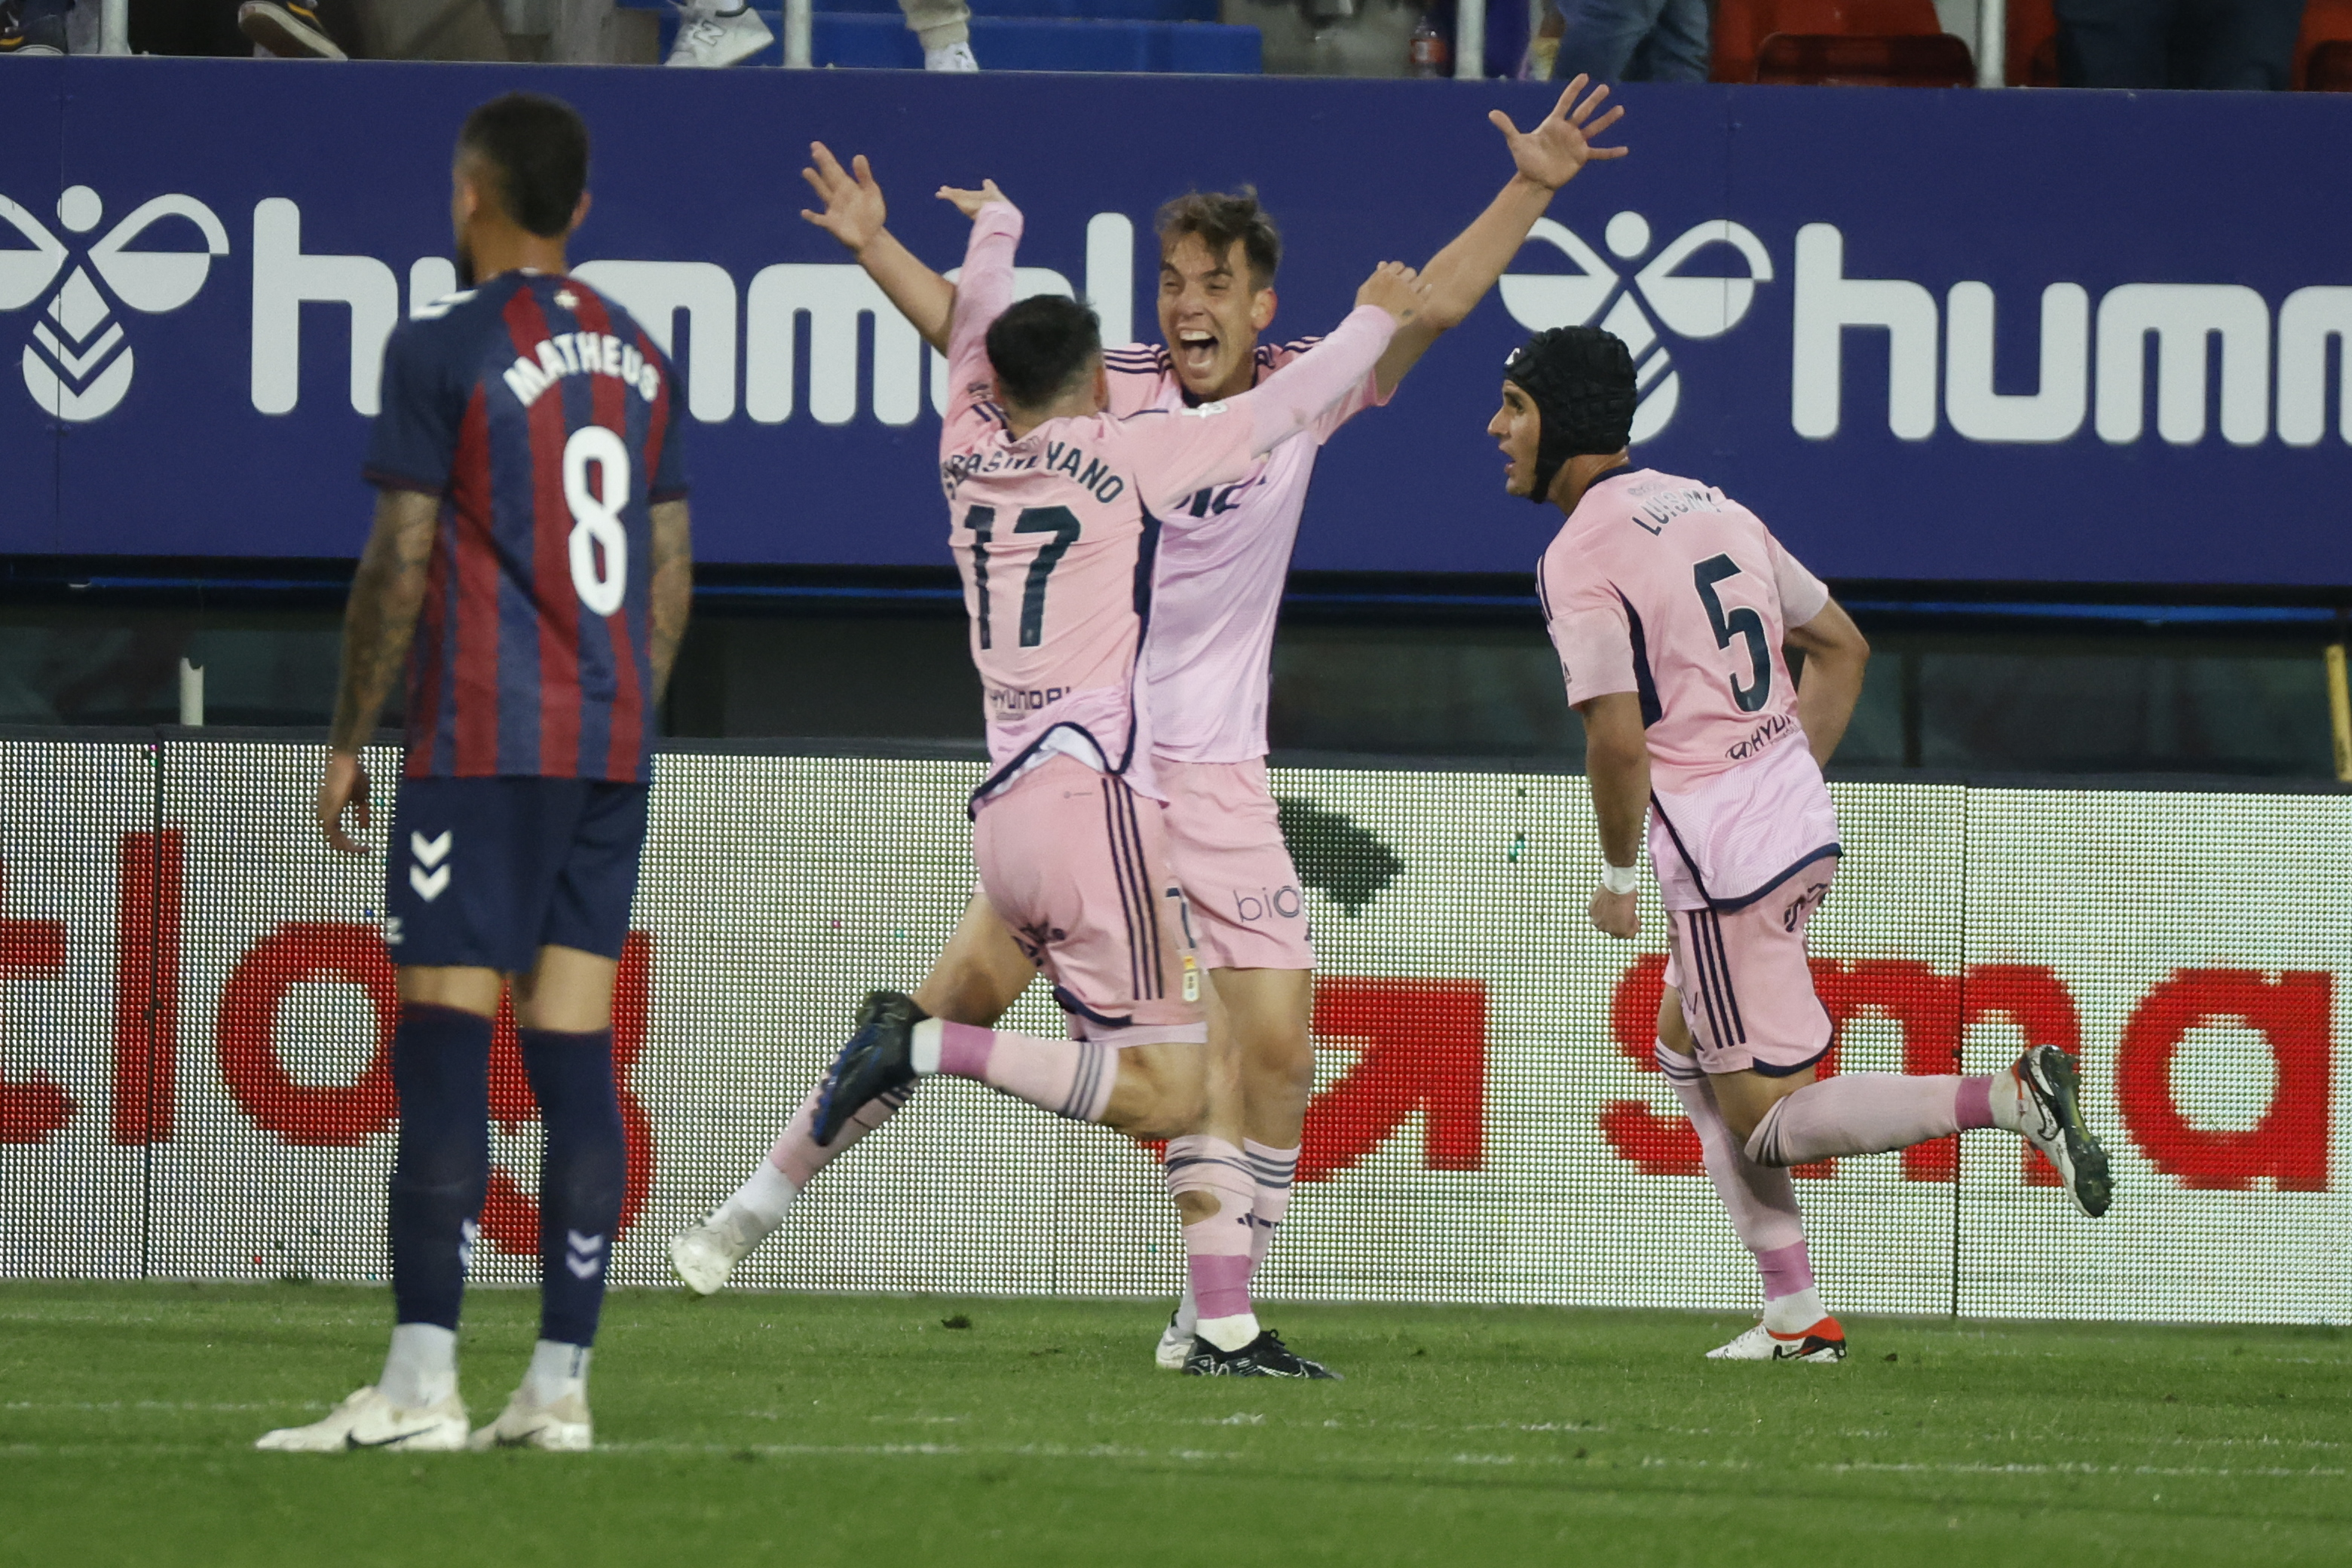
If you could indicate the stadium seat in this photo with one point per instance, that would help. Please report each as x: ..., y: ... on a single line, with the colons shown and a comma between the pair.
x: 1741, y: 27
x: 2033, y: 44
x: 1831, y: 59
x: 2323, y: 55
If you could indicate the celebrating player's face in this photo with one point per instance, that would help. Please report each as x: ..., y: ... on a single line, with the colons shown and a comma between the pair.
x: 1211, y: 313
x: 1516, y: 428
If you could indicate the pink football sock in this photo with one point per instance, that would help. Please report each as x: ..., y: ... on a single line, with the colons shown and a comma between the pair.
x: 1068, y: 1078
x: 1867, y: 1113
x: 1217, y: 1249
x: 800, y: 1156
x: 1761, y: 1201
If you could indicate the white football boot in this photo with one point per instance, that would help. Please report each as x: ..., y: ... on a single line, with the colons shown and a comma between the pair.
x: 561, y: 1427
x: 1174, y: 1347
x: 711, y: 39
x: 368, y: 1420
x: 2050, y: 1115
x: 1822, y: 1344
x: 703, y: 1255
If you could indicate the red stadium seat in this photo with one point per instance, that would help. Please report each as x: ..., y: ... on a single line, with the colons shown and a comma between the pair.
x: 2033, y: 44
x: 1741, y: 27
x: 2320, y: 63
x: 1829, y: 59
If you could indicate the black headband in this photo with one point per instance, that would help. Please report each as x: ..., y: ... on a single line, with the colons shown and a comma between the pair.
x: 1581, y: 381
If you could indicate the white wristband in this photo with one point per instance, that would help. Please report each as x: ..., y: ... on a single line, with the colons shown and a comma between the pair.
x: 1621, y: 879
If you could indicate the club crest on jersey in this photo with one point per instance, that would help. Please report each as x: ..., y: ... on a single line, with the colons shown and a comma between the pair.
x: 1635, y: 309
x: 77, y: 362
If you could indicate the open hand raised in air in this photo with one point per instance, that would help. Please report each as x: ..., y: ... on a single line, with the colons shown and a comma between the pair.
x: 1561, y: 143
x: 853, y: 203
x: 968, y: 203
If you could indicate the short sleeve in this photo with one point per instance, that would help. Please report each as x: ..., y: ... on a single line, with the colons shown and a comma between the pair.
x: 1173, y: 453
x: 1592, y: 634
x: 414, y: 443
x: 1802, y: 594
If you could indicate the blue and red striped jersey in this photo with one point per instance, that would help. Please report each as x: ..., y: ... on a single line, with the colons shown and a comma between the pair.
x: 546, y: 420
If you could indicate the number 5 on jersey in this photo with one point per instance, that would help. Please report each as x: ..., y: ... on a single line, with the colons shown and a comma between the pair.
x: 600, y: 543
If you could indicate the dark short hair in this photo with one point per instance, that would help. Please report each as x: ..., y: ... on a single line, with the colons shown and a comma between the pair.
x: 1222, y: 220
x: 1041, y: 346
x: 537, y: 148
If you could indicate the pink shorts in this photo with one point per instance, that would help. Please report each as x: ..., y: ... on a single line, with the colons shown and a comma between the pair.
x: 1076, y: 866
x: 1225, y: 836
x: 1746, y: 991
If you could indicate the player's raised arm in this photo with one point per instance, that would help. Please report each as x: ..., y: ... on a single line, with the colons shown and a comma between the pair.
x: 984, y: 291
x: 1459, y: 276
x: 378, y: 624
x: 854, y: 213
x: 1218, y: 442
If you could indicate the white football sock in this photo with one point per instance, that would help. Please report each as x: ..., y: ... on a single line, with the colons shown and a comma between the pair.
x: 421, y: 1369
x: 1795, y: 1312
x: 756, y: 1208
x: 2008, y: 1102
x: 1188, y: 1311
x: 926, y: 1038
x: 556, y: 1369
x: 1228, y: 1334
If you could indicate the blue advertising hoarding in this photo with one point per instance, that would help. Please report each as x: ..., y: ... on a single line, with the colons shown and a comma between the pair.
x: 1929, y: 336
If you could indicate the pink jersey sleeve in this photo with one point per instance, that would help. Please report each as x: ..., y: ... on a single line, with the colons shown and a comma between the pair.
x: 1589, y: 630
x: 1305, y: 391
x: 1366, y: 393
x: 983, y: 289
x: 1138, y: 376
x: 1173, y: 452
x: 1802, y: 594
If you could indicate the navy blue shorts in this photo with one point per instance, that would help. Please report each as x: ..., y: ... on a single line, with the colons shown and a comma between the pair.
x: 482, y: 873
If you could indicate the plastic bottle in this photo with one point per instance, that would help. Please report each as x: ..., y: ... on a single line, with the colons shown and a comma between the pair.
x: 1430, y: 53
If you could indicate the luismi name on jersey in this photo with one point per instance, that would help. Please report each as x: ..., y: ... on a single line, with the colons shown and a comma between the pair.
x: 580, y: 354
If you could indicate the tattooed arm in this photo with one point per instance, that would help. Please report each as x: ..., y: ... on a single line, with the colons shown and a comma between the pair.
x: 378, y: 624
x: 672, y: 589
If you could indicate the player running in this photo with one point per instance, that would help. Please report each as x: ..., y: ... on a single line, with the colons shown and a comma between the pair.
x: 1223, y: 556
x: 531, y: 536
x: 1669, y: 605
x: 1053, y: 509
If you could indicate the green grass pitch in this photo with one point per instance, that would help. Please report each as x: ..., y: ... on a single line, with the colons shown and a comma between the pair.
x: 797, y: 1430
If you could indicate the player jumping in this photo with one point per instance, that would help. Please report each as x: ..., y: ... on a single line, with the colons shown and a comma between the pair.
x: 1053, y: 511
x: 533, y: 512
x: 1669, y: 605
x: 1224, y: 555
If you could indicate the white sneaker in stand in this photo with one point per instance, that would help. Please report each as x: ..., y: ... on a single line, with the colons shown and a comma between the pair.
x: 710, y: 39
x: 562, y: 1427
x: 953, y: 58
x: 368, y: 1420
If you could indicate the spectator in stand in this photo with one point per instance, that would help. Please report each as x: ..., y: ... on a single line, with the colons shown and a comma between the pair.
x: 301, y: 29
x: 2226, y: 45
x: 34, y: 28
x: 1627, y: 40
x: 710, y: 36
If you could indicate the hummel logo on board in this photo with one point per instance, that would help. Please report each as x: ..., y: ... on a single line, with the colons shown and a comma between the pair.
x: 1693, y: 306
x: 431, y: 853
x: 78, y: 363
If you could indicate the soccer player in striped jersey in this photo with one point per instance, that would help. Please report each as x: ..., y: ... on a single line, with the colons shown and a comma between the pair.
x: 1224, y: 554
x: 1671, y: 606
x: 529, y: 568
x: 1055, y: 506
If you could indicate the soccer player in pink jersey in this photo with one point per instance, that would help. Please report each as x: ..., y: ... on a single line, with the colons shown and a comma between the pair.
x: 1223, y: 558
x: 1671, y: 606
x: 1054, y: 506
